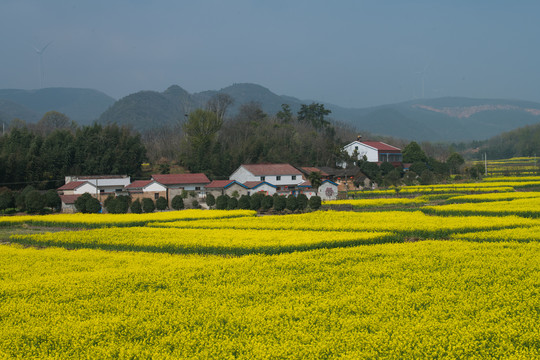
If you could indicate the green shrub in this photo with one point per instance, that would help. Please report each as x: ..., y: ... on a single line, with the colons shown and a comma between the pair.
x: 280, y: 202
x: 244, y: 202
x: 7, y: 200
x: 92, y: 206
x: 232, y: 203
x: 148, y: 205
x: 136, y: 207
x: 161, y: 203
x: 177, y: 202
x: 301, y: 201
x: 222, y: 202
x: 35, y: 202
x: 315, y: 202
x: 210, y: 200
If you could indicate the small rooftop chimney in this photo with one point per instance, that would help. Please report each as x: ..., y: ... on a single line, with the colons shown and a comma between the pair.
x: 359, y: 137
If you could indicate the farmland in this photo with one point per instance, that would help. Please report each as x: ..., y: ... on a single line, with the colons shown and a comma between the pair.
x: 435, y: 272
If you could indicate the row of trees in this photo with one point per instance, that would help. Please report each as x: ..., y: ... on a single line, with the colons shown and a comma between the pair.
x: 262, y: 202
x: 28, y: 200
x: 45, y: 153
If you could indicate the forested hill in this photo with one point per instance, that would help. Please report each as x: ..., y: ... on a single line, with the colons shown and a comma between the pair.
x: 443, y: 119
x: 524, y: 141
x: 81, y: 105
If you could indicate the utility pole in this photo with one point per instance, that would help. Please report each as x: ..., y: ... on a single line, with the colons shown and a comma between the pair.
x: 485, y: 163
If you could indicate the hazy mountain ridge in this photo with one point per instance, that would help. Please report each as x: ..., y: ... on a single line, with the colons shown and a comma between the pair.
x: 82, y: 105
x: 451, y: 119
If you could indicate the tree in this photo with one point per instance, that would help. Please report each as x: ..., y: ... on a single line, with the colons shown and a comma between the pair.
x: 315, y: 202
x: 232, y: 203
x: 280, y: 202
x: 136, y: 207
x: 244, y: 202
x: 35, y: 202
x: 255, y: 200
x: 210, y: 200
x: 291, y: 203
x: 302, y: 201
x: 285, y: 115
x: 81, y: 202
x: 201, y: 130
x: 123, y: 203
x: 314, y: 114
x: 6, y: 199
x: 177, y: 202
x: 426, y: 177
x: 413, y: 153
x: 52, y: 200
x: 386, y: 167
x: 161, y: 203
x: 148, y: 205
x: 218, y: 104
x: 222, y: 202
x: 93, y: 206
x: 454, y: 162
x: 267, y: 202
x: 54, y: 120
x: 315, y: 179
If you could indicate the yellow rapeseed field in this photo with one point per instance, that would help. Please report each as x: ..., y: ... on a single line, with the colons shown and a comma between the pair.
x: 197, y: 284
x: 422, y: 300
x: 103, y: 220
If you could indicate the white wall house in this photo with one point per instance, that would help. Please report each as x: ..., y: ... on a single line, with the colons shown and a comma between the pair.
x: 374, y: 151
x: 260, y: 186
x: 176, y: 183
x: 328, y: 190
x: 275, y: 174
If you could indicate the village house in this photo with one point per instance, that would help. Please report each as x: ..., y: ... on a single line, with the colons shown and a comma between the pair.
x: 260, y: 187
x: 99, y: 187
x: 141, y: 189
x: 226, y: 187
x: 285, y: 178
x: 374, y: 151
x: 175, y: 184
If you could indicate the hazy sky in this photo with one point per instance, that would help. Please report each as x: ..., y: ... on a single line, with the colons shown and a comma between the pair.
x: 352, y: 53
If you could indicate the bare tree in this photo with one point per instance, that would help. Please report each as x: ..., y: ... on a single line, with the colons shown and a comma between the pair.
x: 219, y: 104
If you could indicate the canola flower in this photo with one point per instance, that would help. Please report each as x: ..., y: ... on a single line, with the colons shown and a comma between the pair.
x: 493, y: 197
x: 104, y: 220
x: 366, y: 203
x: 528, y: 207
x: 202, y: 241
x: 432, y: 299
x: 518, y: 234
x: 405, y: 223
x: 513, y: 179
x: 446, y: 188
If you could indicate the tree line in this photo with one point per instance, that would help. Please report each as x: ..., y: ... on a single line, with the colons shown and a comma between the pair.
x: 43, y: 154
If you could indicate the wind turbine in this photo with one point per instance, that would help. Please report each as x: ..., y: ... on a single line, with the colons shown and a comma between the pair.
x: 40, y: 54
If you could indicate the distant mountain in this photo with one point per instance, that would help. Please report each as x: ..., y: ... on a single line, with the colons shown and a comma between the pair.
x: 82, y: 105
x: 450, y: 119
x: 444, y: 119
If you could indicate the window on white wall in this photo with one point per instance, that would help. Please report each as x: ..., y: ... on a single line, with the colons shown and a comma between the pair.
x: 278, y: 178
x: 293, y: 177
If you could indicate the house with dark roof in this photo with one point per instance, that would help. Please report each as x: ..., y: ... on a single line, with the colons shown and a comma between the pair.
x: 374, y: 151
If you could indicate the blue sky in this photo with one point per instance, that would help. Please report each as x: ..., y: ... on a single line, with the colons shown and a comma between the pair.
x: 350, y: 53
